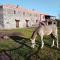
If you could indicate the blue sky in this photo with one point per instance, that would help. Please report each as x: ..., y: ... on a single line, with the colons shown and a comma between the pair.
x: 51, y: 7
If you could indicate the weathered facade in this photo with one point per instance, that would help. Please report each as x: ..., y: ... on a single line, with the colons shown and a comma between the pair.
x: 12, y: 17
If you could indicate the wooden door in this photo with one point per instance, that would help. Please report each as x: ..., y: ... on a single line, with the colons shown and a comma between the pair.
x: 27, y: 23
x: 17, y: 23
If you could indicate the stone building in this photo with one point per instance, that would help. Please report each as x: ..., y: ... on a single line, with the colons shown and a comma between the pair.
x: 12, y: 17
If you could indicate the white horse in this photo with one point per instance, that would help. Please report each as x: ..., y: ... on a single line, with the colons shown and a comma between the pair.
x: 43, y: 30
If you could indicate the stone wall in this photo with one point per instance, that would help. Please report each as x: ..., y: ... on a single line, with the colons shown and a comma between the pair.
x: 11, y: 13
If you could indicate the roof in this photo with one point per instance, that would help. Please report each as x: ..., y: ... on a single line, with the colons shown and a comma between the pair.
x: 19, y: 8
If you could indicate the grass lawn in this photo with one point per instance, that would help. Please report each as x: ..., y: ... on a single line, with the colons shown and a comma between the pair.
x: 47, y: 53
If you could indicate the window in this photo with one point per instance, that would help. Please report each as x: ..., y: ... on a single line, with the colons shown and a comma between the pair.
x: 43, y: 17
x: 14, y: 12
x: 50, y: 22
x: 1, y: 6
x: 23, y: 13
x: 36, y: 21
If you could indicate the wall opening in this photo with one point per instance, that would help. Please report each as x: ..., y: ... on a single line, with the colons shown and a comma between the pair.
x: 27, y: 21
x: 17, y: 23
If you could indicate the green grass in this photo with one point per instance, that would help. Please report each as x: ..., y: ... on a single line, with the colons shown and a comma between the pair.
x: 26, y: 32
x: 8, y: 44
x: 47, y: 53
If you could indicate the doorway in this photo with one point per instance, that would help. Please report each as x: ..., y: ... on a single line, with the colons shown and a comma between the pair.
x: 27, y: 23
x: 17, y: 23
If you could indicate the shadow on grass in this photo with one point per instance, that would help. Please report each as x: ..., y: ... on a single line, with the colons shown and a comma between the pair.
x: 26, y: 42
x: 32, y: 54
x: 4, y: 54
x: 21, y: 40
x: 49, y: 46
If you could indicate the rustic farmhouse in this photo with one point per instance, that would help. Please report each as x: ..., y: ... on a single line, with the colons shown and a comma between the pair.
x: 12, y: 16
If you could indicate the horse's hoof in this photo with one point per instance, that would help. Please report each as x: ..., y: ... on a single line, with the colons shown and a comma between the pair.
x: 52, y: 46
x: 33, y: 46
x: 41, y: 47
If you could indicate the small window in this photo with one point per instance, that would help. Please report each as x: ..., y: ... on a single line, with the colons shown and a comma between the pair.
x: 1, y: 6
x: 50, y: 22
x: 14, y: 12
x: 23, y: 13
x: 43, y: 17
x: 36, y: 21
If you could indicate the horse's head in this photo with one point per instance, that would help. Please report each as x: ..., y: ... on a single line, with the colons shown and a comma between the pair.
x: 32, y: 43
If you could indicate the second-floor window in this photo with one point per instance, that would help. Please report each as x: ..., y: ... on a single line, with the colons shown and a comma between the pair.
x: 14, y: 12
x: 36, y: 21
x: 43, y: 17
x: 23, y: 13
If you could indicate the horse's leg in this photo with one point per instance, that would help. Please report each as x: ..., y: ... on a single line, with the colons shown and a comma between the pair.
x: 56, y: 36
x: 53, y: 43
x: 53, y: 37
x: 57, y: 41
x: 41, y: 35
x: 42, y: 41
x: 33, y: 41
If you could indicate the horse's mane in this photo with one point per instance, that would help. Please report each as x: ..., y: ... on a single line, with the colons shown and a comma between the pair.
x: 43, y: 23
x: 36, y: 29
